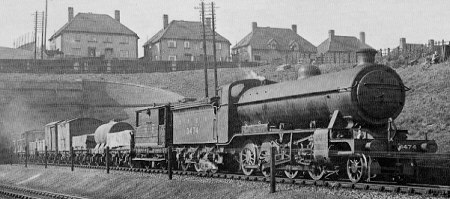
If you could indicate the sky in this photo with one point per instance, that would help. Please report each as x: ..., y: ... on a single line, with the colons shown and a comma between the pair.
x: 383, y: 21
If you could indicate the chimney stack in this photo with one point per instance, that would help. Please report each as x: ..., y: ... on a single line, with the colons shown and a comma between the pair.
x: 402, y: 43
x: 254, y: 26
x: 70, y: 13
x: 294, y: 28
x: 208, y: 22
x: 117, y: 15
x: 330, y: 34
x: 431, y: 43
x: 362, y: 37
x: 165, y: 21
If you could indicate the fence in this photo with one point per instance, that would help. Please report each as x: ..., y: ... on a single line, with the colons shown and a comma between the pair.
x: 107, y: 66
x: 413, y: 52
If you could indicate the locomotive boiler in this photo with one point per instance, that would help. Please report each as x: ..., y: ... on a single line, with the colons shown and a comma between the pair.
x: 368, y: 94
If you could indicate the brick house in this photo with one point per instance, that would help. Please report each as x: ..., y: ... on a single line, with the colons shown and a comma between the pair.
x: 183, y: 41
x: 340, y: 49
x: 95, y: 35
x: 265, y: 44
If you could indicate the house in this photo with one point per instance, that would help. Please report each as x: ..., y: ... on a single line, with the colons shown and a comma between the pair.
x: 410, y: 46
x: 266, y: 44
x: 95, y: 35
x: 340, y: 49
x: 183, y: 41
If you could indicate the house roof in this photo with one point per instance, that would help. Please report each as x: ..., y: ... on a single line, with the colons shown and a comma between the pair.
x: 261, y: 37
x: 341, y: 44
x: 188, y: 30
x: 94, y: 23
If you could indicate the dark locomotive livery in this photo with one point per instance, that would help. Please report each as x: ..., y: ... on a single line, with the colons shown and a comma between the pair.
x: 321, y: 126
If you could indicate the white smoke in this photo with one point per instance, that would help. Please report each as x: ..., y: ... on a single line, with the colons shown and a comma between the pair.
x: 252, y: 75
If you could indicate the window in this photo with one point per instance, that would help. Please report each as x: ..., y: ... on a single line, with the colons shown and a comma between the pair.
x: 124, y: 40
x: 201, y: 45
x: 272, y: 44
x: 186, y: 44
x: 172, y: 58
x: 93, y: 39
x: 108, y: 40
x: 124, y: 53
x: 218, y: 46
x: 257, y: 58
x: 77, y: 38
x: 293, y: 46
x: 76, y: 51
x: 172, y: 44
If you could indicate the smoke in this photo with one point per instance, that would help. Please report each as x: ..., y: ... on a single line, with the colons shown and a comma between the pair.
x: 252, y: 75
x: 17, y: 116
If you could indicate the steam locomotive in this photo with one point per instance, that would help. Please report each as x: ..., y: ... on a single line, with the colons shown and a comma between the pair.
x: 321, y: 125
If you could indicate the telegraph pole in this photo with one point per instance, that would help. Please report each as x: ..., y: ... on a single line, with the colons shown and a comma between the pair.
x: 45, y: 30
x: 35, y: 34
x: 216, y: 92
x: 42, y: 36
x: 205, y: 59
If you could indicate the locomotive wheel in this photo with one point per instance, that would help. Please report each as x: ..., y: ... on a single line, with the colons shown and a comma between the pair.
x: 248, y: 158
x: 291, y: 174
x: 266, y: 172
x: 264, y: 155
x: 356, y: 168
x: 317, y: 172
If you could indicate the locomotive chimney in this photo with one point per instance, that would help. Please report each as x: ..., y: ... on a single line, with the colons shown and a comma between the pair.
x: 366, y: 55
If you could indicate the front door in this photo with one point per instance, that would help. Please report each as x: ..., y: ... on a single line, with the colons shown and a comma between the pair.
x: 108, y: 53
x: 91, y: 51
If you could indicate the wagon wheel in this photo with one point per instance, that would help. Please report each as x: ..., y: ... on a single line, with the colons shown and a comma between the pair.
x: 291, y: 174
x: 317, y: 172
x: 197, y: 167
x: 116, y: 161
x: 248, y: 158
x: 184, y: 166
x: 356, y: 168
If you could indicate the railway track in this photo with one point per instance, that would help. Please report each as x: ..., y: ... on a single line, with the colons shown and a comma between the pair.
x: 414, y: 189
x: 9, y: 191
